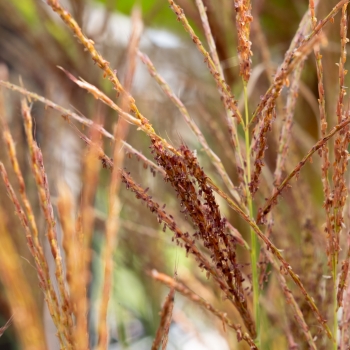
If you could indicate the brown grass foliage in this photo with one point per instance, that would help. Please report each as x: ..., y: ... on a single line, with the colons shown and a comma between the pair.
x: 255, y: 186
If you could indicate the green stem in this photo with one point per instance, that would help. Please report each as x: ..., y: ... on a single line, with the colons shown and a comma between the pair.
x: 254, y: 241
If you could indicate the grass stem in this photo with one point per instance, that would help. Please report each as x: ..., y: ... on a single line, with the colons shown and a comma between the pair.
x: 254, y: 252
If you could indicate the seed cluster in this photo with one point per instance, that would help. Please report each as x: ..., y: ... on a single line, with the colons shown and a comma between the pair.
x: 199, y: 203
x: 243, y: 21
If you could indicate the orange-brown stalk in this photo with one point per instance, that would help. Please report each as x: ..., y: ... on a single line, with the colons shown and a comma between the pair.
x: 28, y: 222
x: 165, y: 319
x: 112, y: 222
x: 340, y: 192
x: 46, y: 206
x: 74, y: 258
x: 324, y: 151
x: 81, y: 235
x: 209, y: 36
x: 43, y: 275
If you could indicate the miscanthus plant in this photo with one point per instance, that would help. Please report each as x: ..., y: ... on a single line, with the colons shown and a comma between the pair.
x: 260, y: 207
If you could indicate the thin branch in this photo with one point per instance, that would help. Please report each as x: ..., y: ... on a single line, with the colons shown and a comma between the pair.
x: 182, y: 289
x: 272, y: 200
x: 184, y: 112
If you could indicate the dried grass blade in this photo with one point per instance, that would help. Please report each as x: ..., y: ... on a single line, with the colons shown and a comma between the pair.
x: 182, y: 289
x: 80, y: 119
x: 340, y: 168
x: 28, y: 221
x: 84, y: 232
x: 74, y: 258
x: 112, y: 222
x: 18, y: 292
x: 46, y: 206
x: 324, y: 151
x: 66, y: 113
x: 340, y: 191
x: 165, y: 317
x: 11, y: 150
x: 43, y: 275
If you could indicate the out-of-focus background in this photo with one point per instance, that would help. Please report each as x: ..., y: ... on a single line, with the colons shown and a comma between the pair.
x: 34, y: 41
